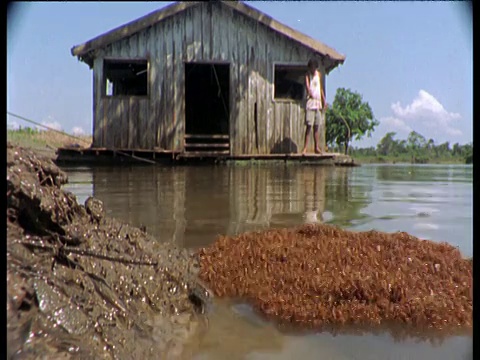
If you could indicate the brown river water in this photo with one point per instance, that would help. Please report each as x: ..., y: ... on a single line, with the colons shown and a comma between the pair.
x: 191, y: 205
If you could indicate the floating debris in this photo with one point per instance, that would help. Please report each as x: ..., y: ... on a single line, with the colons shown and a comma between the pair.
x: 320, y: 275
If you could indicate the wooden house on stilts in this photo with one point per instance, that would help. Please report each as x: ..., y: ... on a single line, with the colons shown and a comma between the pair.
x: 216, y: 78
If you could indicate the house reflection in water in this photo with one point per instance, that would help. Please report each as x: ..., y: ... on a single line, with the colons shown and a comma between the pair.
x: 192, y: 205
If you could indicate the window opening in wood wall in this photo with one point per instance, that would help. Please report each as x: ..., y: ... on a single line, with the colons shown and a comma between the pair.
x: 125, y: 77
x: 289, y: 82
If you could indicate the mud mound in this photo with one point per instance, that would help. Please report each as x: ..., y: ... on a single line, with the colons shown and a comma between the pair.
x: 319, y: 275
x: 80, y: 284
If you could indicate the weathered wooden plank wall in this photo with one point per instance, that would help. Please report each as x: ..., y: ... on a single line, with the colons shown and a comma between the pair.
x: 207, y: 32
x: 98, y: 114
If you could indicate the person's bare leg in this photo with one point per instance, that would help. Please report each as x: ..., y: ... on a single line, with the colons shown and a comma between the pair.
x: 307, y: 135
x: 315, y: 139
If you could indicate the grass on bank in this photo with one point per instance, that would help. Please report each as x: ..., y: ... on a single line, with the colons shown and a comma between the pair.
x: 44, y: 142
x: 40, y: 139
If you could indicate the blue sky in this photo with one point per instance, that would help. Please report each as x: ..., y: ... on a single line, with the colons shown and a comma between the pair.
x: 412, y: 61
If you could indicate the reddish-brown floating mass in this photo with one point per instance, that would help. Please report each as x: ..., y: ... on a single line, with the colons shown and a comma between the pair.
x: 317, y: 275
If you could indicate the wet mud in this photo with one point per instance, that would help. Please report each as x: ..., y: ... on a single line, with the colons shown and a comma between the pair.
x: 82, y: 285
x: 319, y: 277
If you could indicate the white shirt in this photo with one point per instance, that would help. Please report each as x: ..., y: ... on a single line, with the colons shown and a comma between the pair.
x: 315, y: 102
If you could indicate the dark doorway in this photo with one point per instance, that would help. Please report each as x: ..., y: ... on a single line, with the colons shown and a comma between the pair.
x: 207, y: 99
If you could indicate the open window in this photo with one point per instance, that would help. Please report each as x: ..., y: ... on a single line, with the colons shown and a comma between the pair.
x: 289, y: 82
x: 125, y: 77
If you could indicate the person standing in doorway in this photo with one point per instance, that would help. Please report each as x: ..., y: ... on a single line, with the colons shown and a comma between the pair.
x: 316, y: 104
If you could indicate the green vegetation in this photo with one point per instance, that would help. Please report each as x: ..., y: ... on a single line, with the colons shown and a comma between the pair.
x: 348, y: 118
x: 26, y: 137
x: 415, y: 149
x: 45, y: 142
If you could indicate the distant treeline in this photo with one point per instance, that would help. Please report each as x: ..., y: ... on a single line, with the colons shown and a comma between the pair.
x: 415, y: 149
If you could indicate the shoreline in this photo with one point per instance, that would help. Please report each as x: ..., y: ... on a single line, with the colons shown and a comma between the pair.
x: 47, y: 142
x: 76, y: 276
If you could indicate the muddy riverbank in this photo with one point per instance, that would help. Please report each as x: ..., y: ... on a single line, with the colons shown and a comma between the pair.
x: 80, y: 284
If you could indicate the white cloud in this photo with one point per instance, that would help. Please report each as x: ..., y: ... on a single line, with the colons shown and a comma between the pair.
x: 12, y: 125
x: 454, y: 132
x: 78, y: 131
x: 395, y: 124
x: 426, y: 111
x: 50, y: 123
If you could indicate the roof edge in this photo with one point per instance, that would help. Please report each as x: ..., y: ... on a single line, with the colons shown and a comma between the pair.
x: 82, y: 51
x: 131, y: 27
x: 286, y: 30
